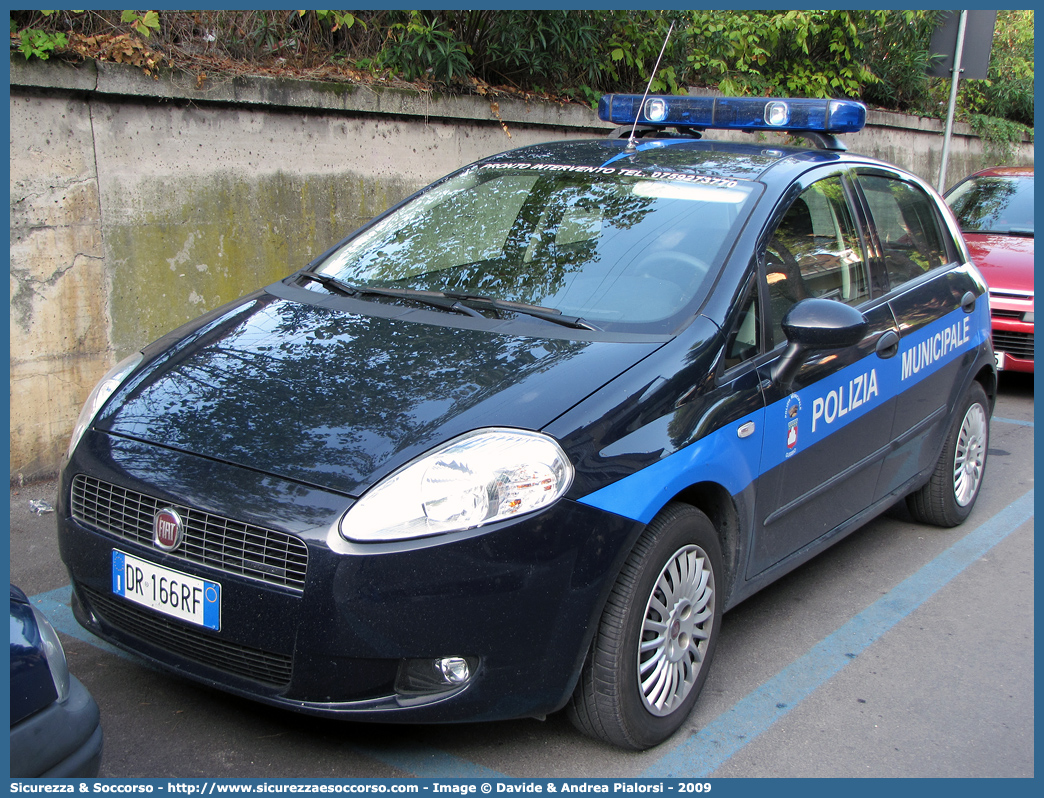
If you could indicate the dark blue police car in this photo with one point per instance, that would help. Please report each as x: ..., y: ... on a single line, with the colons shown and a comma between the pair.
x: 515, y: 445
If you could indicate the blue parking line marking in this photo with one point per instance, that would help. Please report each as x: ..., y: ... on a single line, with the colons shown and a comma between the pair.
x: 427, y: 763
x: 1012, y: 421
x: 707, y: 750
x: 55, y: 604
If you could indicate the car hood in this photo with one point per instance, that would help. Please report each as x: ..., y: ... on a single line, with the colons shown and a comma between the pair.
x: 1006, y: 261
x: 337, y: 399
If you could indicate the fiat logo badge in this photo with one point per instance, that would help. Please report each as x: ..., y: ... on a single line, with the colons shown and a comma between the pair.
x: 166, y: 529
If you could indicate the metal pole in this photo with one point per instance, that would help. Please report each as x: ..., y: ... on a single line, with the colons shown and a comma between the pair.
x: 953, y: 99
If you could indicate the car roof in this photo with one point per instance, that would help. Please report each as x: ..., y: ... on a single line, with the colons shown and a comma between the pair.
x: 686, y: 156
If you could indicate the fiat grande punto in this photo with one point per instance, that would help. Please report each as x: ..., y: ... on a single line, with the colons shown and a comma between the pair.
x: 514, y: 446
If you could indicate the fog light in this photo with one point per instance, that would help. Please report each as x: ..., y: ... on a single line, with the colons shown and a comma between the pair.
x: 431, y: 676
x: 454, y: 670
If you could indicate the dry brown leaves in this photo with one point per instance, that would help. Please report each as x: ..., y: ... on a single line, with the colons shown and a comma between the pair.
x: 120, y: 48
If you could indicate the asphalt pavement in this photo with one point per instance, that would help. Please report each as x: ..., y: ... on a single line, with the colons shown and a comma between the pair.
x: 903, y: 651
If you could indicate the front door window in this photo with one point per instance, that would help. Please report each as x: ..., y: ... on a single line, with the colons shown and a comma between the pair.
x: 815, y: 252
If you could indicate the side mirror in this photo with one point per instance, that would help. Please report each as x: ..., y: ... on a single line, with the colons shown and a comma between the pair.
x: 814, y: 325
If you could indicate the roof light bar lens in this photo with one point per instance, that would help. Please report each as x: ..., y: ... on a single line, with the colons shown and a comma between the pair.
x: 656, y: 109
x: 735, y: 113
x: 847, y: 114
x: 777, y: 114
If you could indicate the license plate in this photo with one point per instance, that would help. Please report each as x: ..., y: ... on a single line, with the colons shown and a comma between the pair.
x: 175, y: 594
x: 1000, y: 360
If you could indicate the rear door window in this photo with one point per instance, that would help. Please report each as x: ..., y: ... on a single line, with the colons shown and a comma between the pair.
x: 908, y: 228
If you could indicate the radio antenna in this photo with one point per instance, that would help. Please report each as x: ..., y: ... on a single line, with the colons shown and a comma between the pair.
x: 631, y: 141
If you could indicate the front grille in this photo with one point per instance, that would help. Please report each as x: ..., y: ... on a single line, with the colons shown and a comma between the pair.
x: 996, y: 293
x: 190, y: 643
x: 1015, y: 344
x: 221, y: 543
x: 1007, y: 314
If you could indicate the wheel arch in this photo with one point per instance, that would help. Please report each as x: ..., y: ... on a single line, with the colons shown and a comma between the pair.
x: 987, y: 378
x: 611, y: 699
x: 714, y: 501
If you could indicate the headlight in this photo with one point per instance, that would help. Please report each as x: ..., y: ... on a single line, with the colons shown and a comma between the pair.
x: 54, y: 654
x: 483, y: 476
x: 1028, y: 317
x: 102, y: 391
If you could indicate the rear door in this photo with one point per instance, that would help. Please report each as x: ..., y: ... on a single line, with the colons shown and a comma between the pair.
x: 938, y: 305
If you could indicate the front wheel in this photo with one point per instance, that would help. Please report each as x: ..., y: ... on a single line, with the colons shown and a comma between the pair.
x: 654, y: 643
x: 951, y: 492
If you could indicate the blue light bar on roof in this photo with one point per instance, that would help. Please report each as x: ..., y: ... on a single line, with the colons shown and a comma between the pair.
x: 734, y: 113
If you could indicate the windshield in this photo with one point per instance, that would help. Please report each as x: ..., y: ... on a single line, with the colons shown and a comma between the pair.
x: 619, y: 251
x: 994, y: 204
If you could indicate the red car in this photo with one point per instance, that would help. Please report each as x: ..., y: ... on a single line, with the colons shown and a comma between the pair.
x: 995, y: 210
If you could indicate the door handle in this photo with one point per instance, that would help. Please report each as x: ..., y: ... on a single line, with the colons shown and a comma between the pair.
x: 968, y: 302
x: 888, y: 344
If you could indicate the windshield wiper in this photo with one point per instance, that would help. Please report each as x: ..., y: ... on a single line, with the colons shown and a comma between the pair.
x: 552, y: 315
x: 430, y: 298
x: 436, y: 299
x: 332, y: 283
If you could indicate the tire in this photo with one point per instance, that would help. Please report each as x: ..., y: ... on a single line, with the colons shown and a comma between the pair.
x: 948, y: 497
x: 675, y: 569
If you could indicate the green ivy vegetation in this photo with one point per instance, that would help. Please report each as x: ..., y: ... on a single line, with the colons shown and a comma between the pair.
x: 1008, y: 91
x: 32, y: 42
x: 39, y: 43
x: 879, y: 56
x: 803, y: 53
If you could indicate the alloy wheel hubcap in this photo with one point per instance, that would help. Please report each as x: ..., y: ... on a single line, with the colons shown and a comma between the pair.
x: 677, y: 626
x: 970, y: 456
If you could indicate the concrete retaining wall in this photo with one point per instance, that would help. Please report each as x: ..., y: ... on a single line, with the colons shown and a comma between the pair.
x: 138, y: 204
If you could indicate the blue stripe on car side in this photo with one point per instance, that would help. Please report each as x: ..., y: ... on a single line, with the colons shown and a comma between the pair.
x: 721, y: 457
x: 796, y: 423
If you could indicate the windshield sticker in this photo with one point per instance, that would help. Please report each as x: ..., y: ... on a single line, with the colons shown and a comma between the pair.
x: 704, y: 180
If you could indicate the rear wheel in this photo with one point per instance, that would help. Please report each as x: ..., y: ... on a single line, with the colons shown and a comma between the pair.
x: 655, y: 640
x: 950, y: 494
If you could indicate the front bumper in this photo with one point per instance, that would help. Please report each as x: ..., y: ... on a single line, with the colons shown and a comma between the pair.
x: 61, y: 741
x: 1015, y: 340
x: 519, y: 599
x: 1012, y: 335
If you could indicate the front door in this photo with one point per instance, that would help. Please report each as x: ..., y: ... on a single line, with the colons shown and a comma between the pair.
x: 826, y: 436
